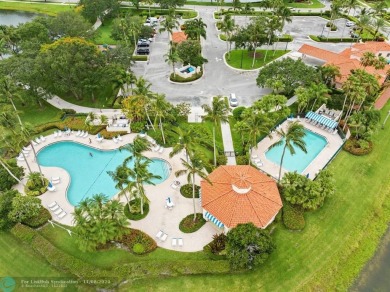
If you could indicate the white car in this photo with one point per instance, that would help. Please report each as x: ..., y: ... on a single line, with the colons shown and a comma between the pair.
x: 233, y: 100
x: 349, y: 23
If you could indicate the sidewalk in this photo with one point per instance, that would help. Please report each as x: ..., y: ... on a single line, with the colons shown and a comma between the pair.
x: 228, y: 143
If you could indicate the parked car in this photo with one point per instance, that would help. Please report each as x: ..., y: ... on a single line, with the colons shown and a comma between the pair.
x: 143, y: 45
x: 142, y: 51
x: 354, y: 35
x: 143, y: 41
x: 350, y: 23
x: 233, y: 100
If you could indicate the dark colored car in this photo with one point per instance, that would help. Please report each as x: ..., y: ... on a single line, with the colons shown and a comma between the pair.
x: 143, y: 45
x: 143, y: 51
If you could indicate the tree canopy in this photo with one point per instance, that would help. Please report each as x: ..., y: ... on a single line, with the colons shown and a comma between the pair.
x: 291, y: 73
x: 248, y: 246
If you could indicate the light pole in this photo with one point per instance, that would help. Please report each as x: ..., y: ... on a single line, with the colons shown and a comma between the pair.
x: 384, y: 122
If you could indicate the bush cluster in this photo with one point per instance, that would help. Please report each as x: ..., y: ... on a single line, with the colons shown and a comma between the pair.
x: 6, y: 180
x: 6, y: 198
x: 71, y: 122
x: 139, y: 57
x: 358, y: 147
x: 138, y: 242
x: 188, y: 225
x: 137, y: 127
x: 293, y: 217
x: 242, y: 160
x: 135, y: 206
x: 40, y: 220
x: 237, y: 112
x: 177, y: 78
x: 35, y: 188
x: 221, y: 159
x: 218, y: 244
x: 186, y: 191
x: 109, y: 135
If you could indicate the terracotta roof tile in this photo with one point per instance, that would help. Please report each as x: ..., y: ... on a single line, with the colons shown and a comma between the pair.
x: 241, y: 194
x: 178, y: 37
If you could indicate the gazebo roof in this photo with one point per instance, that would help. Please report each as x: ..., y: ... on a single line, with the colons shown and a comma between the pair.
x: 241, y: 194
x: 178, y: 37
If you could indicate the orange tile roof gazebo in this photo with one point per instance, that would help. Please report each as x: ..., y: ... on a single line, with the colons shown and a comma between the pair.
x: 240, y: 194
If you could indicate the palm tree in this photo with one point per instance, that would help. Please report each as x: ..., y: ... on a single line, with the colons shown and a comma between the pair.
x: 378, y: 23
x: 237, y: 5
x: 189, y: 139
x: 193, y: 167
x: 228, y: 26
x: 284, y: 15
x: 8, y: 90
x: 172, y: 58
x: 5, y: 165
x: 121, y: 82
x: 273, y: 24
x: 144, y: 96
x: 139, y: 145
x: 195, y: 29
x: 121, y: 178
x: 334, y: 12
x: 217, y: 113
x: 367, y: 59
x: 329, y: 74
x: 294, y: 136
x: 161, y: 108
x: 168, y: 24
x: 318, y: 92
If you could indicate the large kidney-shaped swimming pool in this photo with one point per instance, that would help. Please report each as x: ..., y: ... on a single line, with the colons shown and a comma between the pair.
x: 88, y: 168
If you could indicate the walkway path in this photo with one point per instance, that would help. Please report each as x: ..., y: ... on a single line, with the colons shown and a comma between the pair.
x: 228, y: 143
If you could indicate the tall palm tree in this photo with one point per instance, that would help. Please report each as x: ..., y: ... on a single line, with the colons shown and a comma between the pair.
x: 161, y: 109
x: 195, y: 29
x: 169, y: 24
x: 318, y: 92
x: 136, y: 149
x: 121, y: 178
x: 121, y: 81
x: 274, y: 24
x: 217, y: 113
x: 293, y: 137
x: 228, y: 26
x: 329, y: 74
x: 172, y: 57
x: 284, y: 14
x: 378, y: 24
x: 194, y: 167
x: 189, y: 139
x: 237, y: 6
x: 144, y: 96
x: 5, y: 165
x: 335, y: 8
x: 8, y: 91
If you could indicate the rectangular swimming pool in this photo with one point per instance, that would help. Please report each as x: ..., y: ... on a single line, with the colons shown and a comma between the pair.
x: 300, y: 160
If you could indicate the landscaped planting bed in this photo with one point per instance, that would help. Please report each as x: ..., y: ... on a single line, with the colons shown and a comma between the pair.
x: 189, y: 225
x: 186, y: 191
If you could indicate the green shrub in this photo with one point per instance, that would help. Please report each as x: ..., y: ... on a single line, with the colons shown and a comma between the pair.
x: 138, y: 248
x: 137, y: 127
x: 23, y: 232
x: 218, y: 244
x: 219, y: 25
x: 6, y: 198
x: 188, y: 225
x: 186, y: 191
x: 68, y: 111
x: 135, y: 213
x: 40, y: 220
x: 140, y: 57
x: 358, y: 147
x: 242, y: 160
x: 137, y: 237
x: 221, y: 159
x: 109, y: 135
x: 237, y: 112
x: 293, y: 217
x: 223, y: 37
x: 179, y: 79
x: 6, y: 180
x: 34, y: 186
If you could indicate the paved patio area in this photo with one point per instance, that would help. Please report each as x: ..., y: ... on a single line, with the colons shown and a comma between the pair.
x: 159, y: 217
x: 334, y: 143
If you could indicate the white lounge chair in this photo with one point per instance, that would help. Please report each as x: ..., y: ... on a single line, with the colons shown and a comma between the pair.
x: 115, y: 140
x: 57, y: 212
x: 52, y: 204
x: 120, y: 138
x: 55, y: 178
x: 28, y: 148
x: 159, y: 234
x: 20, y: 158
x: 61, y: 215
x: 38, y: 140
x: 59, y: 133
x: 175, y: 184
x: 55, y: 207
x: 180, y: 241
x: 164, y: 237
x: 86, y: 134
x: 43, y: 139
x: 161, y: 150
x: 25, y: 152
x: 174, y: 241
x: 55, y: 134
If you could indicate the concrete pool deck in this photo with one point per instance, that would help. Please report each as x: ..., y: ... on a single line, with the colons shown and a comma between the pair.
x: 159, y: 217
x: 319, y: 162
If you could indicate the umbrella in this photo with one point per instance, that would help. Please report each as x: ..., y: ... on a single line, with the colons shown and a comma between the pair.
x: 50, y: 185
x: 169, y: 199
x: 307, y: 175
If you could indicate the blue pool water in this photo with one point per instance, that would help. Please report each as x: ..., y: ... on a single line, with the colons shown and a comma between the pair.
x: 89, y: 173
x: 300, y: 160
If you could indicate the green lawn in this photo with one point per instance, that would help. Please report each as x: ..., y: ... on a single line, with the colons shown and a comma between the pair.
x: 235, y: 57
x: 104, y: 34
x: 36, y: 115
x: 44, y: 8
x: 311, y: 4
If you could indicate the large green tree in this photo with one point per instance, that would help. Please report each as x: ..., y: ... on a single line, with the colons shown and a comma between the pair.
x: 24, y: 208
x: 292, y: 73
x: 98, y: 220
x: 70, y: 24
x: 248, y: 246
x: 102, y: 9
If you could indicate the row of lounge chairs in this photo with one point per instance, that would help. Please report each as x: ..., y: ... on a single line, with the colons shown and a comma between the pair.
x: 161, y: 235
x: 117, y: 139
x: 256, y: 161
x: 321, y: 126
x: 57, y: 210
x: 82, y: 134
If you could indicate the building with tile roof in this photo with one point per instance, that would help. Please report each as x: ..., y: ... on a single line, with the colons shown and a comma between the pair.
x: 178, y: 37
x: 349, y: 59
x: 239, y: 194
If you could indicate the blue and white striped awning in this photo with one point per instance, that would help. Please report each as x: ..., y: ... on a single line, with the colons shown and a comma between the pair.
x: 322, y: 120
x: 214, y: 220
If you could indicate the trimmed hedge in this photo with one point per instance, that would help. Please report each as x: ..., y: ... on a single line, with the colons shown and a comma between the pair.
x: 40, y: 220
x: 358, y: 147
x: 337, y: 40
x: 138, y: 242
x: 110, y: 135
x: 293, y: 217
x: 188, y: 225
x: 186, y: 191
x: 242, y: 160
x: 180, y: 79
x: 140, y: 58
x: 76, y: 122
x: 136, y: 215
